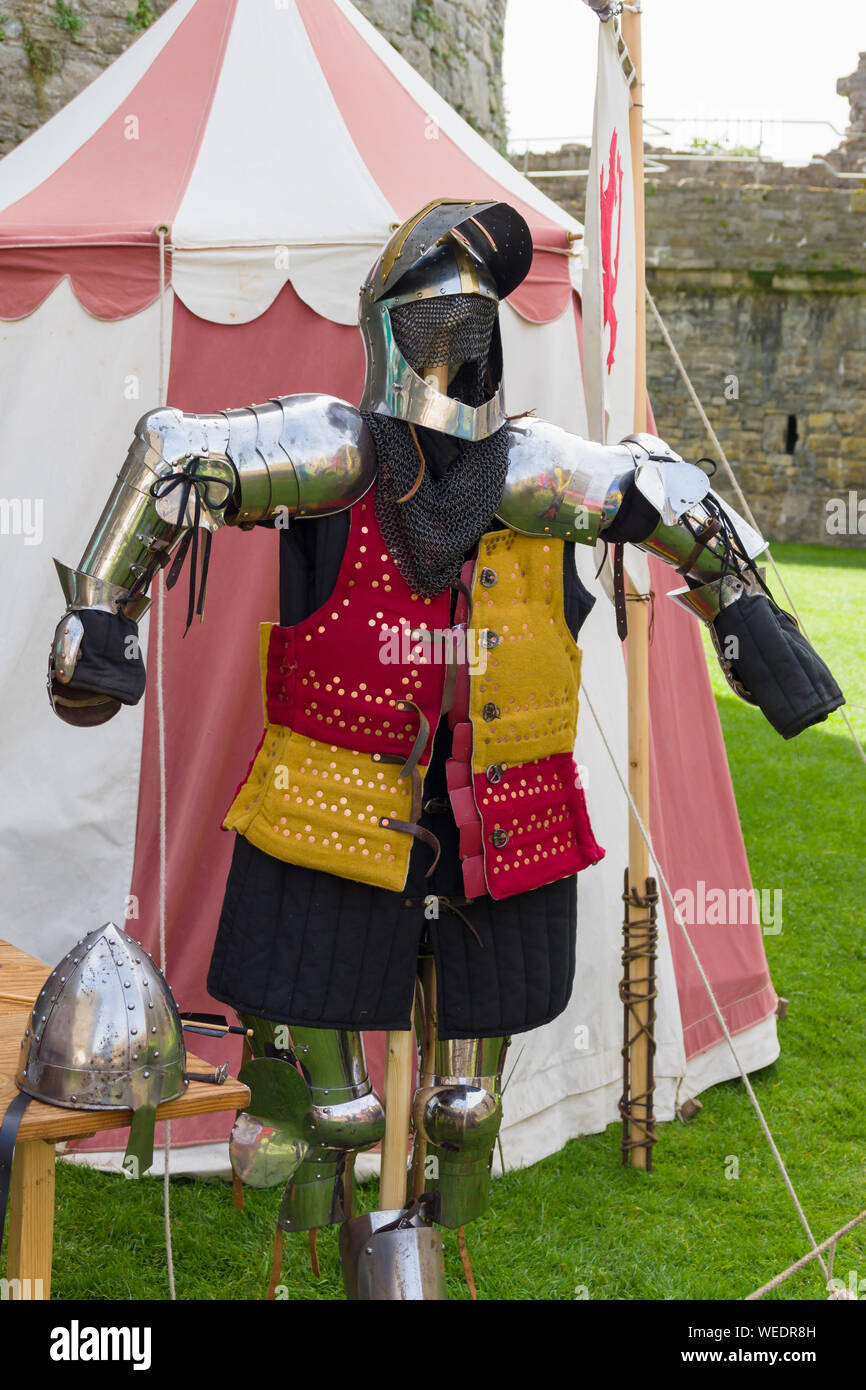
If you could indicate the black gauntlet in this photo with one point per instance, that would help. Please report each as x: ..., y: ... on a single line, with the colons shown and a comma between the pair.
x: 96, y: 666
x: 772, y: 665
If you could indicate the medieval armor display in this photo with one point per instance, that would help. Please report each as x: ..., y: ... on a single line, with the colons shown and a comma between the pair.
x: 421, y: 698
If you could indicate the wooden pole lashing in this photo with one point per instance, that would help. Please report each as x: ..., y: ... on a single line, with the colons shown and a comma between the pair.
x: 638, y: 994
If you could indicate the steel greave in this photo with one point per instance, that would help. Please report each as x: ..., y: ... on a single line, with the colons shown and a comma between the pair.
x: 401, y: 1264
x: 345, y: 1115
x: 458, y: 1111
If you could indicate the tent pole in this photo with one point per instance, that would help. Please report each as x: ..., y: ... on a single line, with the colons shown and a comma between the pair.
x: 640, y: 972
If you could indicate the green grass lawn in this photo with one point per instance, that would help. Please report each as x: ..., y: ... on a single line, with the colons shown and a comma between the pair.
x: 579, y: 1220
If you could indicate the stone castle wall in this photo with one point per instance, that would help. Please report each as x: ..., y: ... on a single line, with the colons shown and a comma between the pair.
x: 456, y: 45
x: 51, y: 49
x: 763, y: 290
x: 759, y: 272
x: 853, y: 148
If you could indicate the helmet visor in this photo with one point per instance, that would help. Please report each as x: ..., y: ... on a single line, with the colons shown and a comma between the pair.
x: 446, y: 331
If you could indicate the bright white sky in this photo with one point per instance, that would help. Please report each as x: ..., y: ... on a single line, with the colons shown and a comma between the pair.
x: 738, y: 59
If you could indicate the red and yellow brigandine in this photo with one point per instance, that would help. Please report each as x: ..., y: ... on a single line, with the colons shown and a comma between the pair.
x: 348, y: 716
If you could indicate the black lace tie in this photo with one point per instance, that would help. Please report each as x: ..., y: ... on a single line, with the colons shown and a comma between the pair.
x: 191, y: 482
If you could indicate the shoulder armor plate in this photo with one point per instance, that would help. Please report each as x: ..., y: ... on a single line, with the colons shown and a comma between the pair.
x: 558, y: 484
x: 307, y: 455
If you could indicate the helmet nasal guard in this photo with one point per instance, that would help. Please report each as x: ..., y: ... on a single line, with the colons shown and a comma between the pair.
x: 431, y: 302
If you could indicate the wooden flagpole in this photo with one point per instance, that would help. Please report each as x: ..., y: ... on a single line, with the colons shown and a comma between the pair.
x: 639, y: 981
x: 631, y: 32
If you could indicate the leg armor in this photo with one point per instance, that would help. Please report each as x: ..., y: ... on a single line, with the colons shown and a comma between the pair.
x: 457, y: 1114
x: 343, y: 1114
x: 393, y: 1256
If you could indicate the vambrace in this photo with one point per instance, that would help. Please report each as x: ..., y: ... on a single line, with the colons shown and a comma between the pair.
x: 457, y: 1112
x: 312, y: 1105
x: 146, y: 515
x: 297, y: 456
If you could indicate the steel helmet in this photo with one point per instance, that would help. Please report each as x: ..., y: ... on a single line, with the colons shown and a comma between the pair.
x: 105, y: 1034
x: 431, y: 300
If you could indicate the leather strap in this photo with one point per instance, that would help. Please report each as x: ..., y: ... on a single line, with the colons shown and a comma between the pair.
x: 619, y: 592
x: 450, y: 686
x: 190, y: 482
x: 452, y: 907
x: 463, y: 588
x: 420, y: 832
x: 704, y: 536
x: 8, y: 1135
x: 421, y: 737
x: 420, y: 476
x: 415, y: 811
x: 420, y: 1207
x: 408, y: 768
x: 448, y: 690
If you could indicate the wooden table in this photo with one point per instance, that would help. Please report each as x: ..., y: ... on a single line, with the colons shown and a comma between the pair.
x: 31, y: 1198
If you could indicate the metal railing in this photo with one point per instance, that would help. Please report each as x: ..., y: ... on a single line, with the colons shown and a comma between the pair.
x: 750, y: 136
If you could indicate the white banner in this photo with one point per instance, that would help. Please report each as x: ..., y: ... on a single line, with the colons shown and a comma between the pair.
x: 609, y: 253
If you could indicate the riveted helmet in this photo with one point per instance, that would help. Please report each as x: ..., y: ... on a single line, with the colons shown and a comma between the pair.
x: 105, y: 1034
x: 431, y: 302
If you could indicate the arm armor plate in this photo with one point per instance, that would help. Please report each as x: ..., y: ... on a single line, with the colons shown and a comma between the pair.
x: 716, y: 576
x: 305, y: 455
x: 570, y: 488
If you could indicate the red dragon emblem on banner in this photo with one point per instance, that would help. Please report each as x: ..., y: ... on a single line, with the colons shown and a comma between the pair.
x: 610, y: 200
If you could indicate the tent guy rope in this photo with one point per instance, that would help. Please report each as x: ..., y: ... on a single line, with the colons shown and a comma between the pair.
x: 645, y: 835
x: 162, y: 232
x: 829, y: 1243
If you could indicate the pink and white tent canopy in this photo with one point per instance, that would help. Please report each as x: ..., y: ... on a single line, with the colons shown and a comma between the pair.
x: 278, y: 144
x: 301, y: 182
